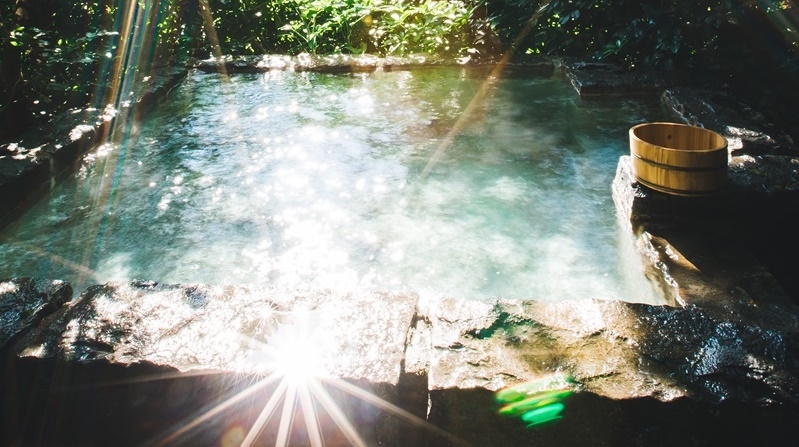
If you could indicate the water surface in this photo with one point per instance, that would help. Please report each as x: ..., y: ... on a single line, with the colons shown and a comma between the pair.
x: 304, y: 180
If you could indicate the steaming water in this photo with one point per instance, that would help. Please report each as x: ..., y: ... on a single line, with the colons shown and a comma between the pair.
x: 316, y: 181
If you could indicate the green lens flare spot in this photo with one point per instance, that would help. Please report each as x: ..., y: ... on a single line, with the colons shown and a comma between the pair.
x: 544, y: 414
x: 533, y: 402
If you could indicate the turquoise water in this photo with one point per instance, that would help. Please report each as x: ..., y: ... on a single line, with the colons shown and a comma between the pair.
x: 384, y: 181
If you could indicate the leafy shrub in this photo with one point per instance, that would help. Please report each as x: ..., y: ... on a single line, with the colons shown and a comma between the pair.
x: 55, y: 58
x: 437, y: 27
x: 386, y: 27
x: 59, y: 55
x: 752, y: 46
x: 645, y: 33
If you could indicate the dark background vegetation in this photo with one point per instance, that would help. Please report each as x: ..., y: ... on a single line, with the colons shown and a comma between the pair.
x: 56, y: 55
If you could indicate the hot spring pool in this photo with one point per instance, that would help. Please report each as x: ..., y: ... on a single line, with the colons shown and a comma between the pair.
x: 307, y: 180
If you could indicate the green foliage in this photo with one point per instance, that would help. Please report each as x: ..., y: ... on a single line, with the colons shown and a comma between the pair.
x: 71, y: 52
x: 386, y: 27
x: 326, y: 26
x: 67, y: 52
x: 437, y: 27
x: 751, y: 46
x: 245, y: 26
x: 67, y: 49
x: 637, y: 33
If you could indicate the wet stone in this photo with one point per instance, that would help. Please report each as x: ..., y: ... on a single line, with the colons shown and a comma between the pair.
x: 748, y: 354
x: 337, y: 63
x: 764, y: 162
x: 42, y: 157
x: 228, y: 328
x: 595, y: 78
x: 746, y: 130
x: 506, y: 342
x: 149, y: 363
x: 696, y: 248
x: 25, y: 301
x: 644, y: 206
x: 482, y: 348
x: 618, y: 358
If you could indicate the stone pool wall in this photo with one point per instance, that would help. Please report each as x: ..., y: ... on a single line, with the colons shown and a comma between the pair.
x: 134, y: 363
x: 139, y: 362
x: 31, y: 166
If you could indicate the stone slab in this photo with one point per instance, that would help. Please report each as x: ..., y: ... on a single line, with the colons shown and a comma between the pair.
x: 44, y: 156
x: 146, y: 361
x: 596, y: 78
x: 496, y: 345
x: 695, y: 249
x: 622, y: 361
x: 365, y: 63
x: 763, y: 161
x: 25, y: 301
x: 229, y: 328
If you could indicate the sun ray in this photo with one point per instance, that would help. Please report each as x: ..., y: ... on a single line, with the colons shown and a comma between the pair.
x: 287, y: 417
x: 219, y: 408
x: 388, y: 406
x: 311, y: 417
x: 338, y: 416
x: 265, y: 414
x: 213, y: 39
x: 482, y: 92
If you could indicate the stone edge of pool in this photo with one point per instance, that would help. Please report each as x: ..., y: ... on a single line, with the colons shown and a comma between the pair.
x: 139, y: 360
x: 730, y: 340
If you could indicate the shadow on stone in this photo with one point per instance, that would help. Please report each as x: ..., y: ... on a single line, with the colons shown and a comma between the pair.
x: 77, y: 404
x: 592, y: 420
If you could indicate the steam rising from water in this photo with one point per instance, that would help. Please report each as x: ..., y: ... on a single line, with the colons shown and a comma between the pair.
x: 313, y: 181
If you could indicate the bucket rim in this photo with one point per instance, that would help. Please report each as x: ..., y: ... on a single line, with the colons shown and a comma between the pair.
x: 722, y: 138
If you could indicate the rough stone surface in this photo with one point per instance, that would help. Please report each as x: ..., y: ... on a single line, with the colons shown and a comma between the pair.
x: 152, y: 363
x: 343, y: 63
x: 595, y: 78
x: 763, y: 162
x: 696, y: 249
x: 30, y: 166
x: 225, y: 328
x: 642, y: 205
x: 719, y: 111
x: 620, y: 350
x: 621, y: 357
x: 25, y: 301
x: 340, y: 63
x: 133, y: 348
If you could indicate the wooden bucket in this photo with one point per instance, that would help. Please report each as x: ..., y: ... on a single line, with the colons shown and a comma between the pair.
x: 679, y: 159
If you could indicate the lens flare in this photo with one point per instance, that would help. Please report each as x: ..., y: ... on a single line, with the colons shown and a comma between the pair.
x: 296, y: 352
x: 536, y: 402
x: 294, y: 399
